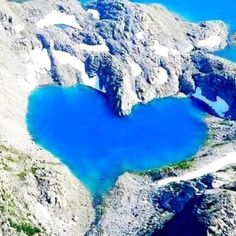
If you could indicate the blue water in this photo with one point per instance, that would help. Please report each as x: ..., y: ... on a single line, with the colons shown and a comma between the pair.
x: 201, y: 10
x: 78, y: 126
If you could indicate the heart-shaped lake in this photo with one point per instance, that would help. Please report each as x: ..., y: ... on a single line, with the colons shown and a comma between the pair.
x: 77, y: 125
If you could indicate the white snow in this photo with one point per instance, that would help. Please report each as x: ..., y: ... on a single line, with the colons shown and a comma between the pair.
x: 56, y: 17
x: 38, y: 62
x: 189, y: 48
x: 94, y: 14
x: 65, y: 58
x: 93, y: 48
x: 136, y: 70
x: 139, y: 35
x: 220, y: 106
x: 211, y: 42
x: 229, y: 159
x: 162, y: 75
x: 19, y: 28
x: 160, y: 49
x: 174, y: 52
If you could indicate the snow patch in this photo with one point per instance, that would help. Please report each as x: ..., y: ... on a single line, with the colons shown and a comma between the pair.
x: 136, y: 70
x: 189, y: 48
x: 64, y: 58
x: 174, y: 52
x: 139, y: 35
x: 38, y: 63
x: 94, y: 48
x: 19, y: 28
x: 220, y: 106
x: 162, y: 75
x: 160, y: 49
x: 56, y: 17
x: 95, y: 15
x: 210, y: 42
x: 229, y: 159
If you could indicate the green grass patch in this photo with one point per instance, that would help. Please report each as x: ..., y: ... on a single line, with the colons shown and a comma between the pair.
x: 25, y: 227
x: 22, y: 175
x: 7, y: 202
x: 183, y: 165
x: 34, y: 170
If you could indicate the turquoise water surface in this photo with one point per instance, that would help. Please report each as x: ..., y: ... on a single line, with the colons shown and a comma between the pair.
x: 78, y: 126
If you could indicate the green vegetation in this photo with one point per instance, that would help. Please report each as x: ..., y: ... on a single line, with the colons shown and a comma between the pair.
x: 22, y: 175
x: 34, y: 170
x: 25, y: 227
x: 7, y: 202
x: 183, y: 165
x: 218, y: 144
x: 6, y: 167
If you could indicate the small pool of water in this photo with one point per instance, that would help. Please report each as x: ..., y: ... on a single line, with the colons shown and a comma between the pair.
x: 77, y: 125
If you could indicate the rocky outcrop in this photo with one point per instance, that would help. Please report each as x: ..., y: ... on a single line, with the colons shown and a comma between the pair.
x: 135, y: 36
x: 215, y: 76
x: 206, y: 211
x: 146, y: 36
x: 138, y: 205
x: 39, y: 195
x: 204, y: 206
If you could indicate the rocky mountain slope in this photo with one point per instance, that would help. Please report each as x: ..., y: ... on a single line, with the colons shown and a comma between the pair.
x: 133, y: 53
x: 39, y: 195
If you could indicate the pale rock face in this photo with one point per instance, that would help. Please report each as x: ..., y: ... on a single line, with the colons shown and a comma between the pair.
x: 220, y: 106
x: 56, y: 17
x: 95, y: 15
x: 160, y: 49
x: 211, y: 42
x: 139, y: 35
x: 136, y: 70
x: 132, y: 94
x: 174, y: 52
x: 94, y: 48
x: 163, y: 76
x: 38, y: 63
x: 19, y: 28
